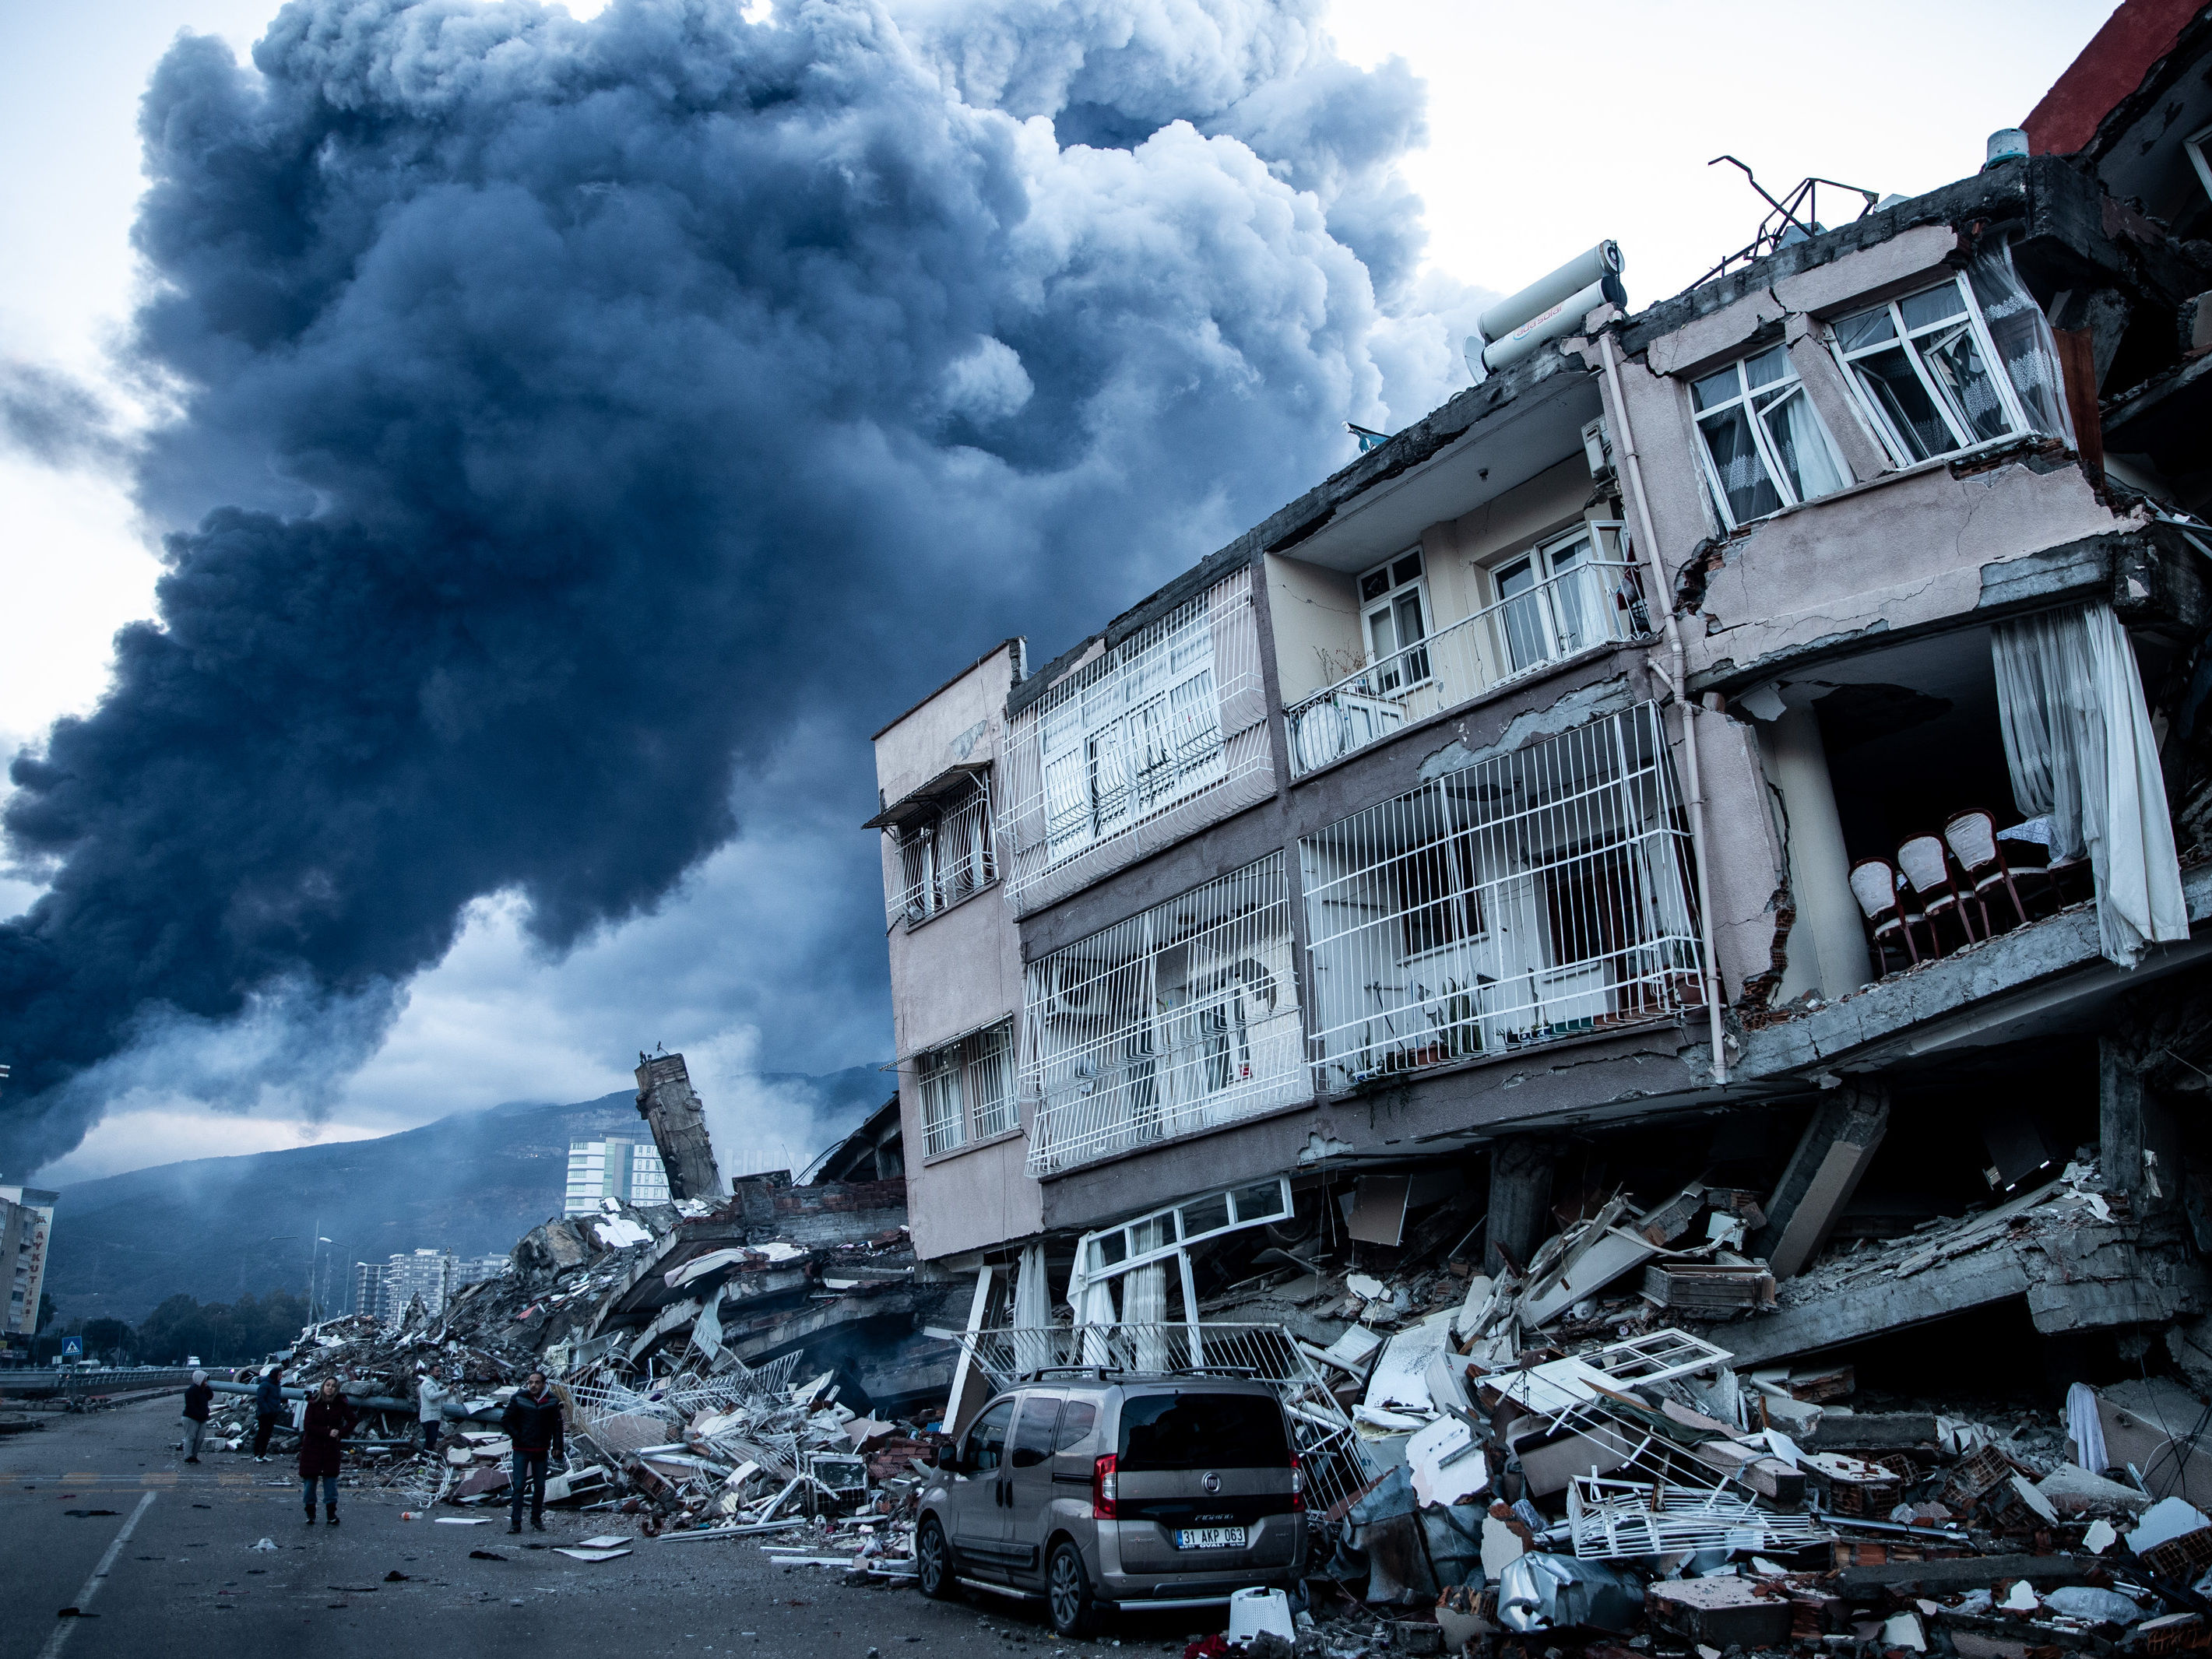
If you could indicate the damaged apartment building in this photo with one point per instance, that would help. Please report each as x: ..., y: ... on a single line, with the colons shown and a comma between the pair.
x: 1730, y: 790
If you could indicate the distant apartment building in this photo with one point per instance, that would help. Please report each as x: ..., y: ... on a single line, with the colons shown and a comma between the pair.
x: 1760, y: 740
x: 614, y: 1167
x: 27, y: 1221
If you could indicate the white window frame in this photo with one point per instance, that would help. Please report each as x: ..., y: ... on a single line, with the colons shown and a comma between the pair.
x: 930, y: 883
x: 1993, y: 365
x: 1159, y: 708
x: 2194, y: 147
x: 1758, y: 403
x: 1413, y: 666
x: 1603, y: 540
x: 955, y: 1084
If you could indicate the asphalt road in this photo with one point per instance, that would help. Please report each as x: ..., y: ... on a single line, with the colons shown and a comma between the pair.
x: 188, y: 1579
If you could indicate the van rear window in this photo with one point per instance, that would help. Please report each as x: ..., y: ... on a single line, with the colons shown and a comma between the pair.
x: 1202, y: 1431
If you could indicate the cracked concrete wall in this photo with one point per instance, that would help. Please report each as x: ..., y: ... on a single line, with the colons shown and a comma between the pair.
x: 1910, y: 550
x: 1315, y: 614
x: 1744, y: 853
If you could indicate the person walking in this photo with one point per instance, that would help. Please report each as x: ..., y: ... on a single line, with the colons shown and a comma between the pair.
x: 532, y: 1424
x: 330, y: 1414
x: 268, y: 1407
x: 433, y: 1408
x: 198, y: 1400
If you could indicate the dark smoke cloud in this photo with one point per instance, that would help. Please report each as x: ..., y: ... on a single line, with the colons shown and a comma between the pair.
x: 569, y: 414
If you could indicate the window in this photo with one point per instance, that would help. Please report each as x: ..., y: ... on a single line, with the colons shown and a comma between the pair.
x: 1182, y: 1017
x: 1561, y: 598
x: 946, y: 852
x: 1166, y: 1432
x: 1391, y: 598
x: 966, y: 1091
x: 1921, y: 366
x: 1076, y: 1423
x: 1131, y: 742
x: 1763, y: 446
x: 1033, y: 1434
x: 986, y: 1441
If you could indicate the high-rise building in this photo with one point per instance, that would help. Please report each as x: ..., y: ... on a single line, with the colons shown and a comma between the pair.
x: 368, y: 1288
x: 614, y: 1167
x: 427, y: 1274
x: 27, y: 1224
x: 469, y: 1270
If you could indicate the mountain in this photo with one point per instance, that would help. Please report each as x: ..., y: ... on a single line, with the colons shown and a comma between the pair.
x: 216, y: 1228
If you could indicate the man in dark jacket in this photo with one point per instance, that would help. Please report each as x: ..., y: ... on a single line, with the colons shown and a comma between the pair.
x: 197, y: 1398
x: 533, y: 1422
x: 329, y: 1416
x: 268, y: 1407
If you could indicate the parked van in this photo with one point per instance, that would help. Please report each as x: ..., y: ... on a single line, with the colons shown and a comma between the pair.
x: 1099, y: 1492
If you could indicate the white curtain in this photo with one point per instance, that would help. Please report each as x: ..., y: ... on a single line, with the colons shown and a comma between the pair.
x: 1032, y: 1312
x: 1804, y: 448
x: 2078, y: 741
x: 1144, y: 1300
x: 1093, y: 1302
x: 2022, y: 336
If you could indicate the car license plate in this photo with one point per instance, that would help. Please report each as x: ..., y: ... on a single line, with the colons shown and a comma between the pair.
x: 1210, y: 1538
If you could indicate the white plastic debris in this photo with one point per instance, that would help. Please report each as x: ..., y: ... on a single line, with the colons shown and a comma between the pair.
x: 1251, y: 1610
x: 1903, y: 1630
x: 265, y: 1544
x: 2101, y: 1537
x: 2021, y: 1598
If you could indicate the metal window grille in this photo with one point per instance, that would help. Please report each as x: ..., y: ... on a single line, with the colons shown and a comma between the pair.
x: 1530, y: 897
x: 1327, y: 1446
x: 1174, y: 713
x: 949, y: 855
x: 1597, y: 598
x: 967, y: 1089
x: 1183, y: 1016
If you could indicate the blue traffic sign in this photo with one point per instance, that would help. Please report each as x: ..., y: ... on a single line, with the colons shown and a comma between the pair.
x: 72, y: 1347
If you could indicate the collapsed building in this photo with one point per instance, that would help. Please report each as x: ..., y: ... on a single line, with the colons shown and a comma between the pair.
x: 1682, y: 865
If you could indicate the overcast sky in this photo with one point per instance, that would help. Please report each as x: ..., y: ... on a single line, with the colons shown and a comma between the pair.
x: 1549, y: 128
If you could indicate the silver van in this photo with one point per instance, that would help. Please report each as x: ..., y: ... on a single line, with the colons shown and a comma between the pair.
x: 1115, y: 1492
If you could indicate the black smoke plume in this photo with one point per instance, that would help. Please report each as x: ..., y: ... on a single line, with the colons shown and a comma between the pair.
x: 565, y: 414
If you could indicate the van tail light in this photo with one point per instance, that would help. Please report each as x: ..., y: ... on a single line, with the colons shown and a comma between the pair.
x: 1298, y: 1486
x: 1104, y: 1488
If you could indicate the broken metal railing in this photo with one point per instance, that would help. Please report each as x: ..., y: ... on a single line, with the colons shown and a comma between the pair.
x: 1608, y: 1520
x: 739, y: 1384
x: 1328, y: 1447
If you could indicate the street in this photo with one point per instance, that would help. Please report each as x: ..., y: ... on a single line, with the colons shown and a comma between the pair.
x: 189, y: 1579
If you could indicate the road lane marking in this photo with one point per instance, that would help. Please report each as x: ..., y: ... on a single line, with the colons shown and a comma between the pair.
x: 63, y: 1627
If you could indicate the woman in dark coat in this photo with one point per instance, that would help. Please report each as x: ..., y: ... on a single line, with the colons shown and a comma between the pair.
x: 329, y: 1417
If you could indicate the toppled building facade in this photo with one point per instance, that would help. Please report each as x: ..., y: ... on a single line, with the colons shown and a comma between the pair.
x: 1705, y: 832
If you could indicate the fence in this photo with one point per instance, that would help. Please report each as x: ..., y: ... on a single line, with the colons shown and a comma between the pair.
x: 945, y: 857
x: 1180, y: 1018
x: 1589, y: 603
x: 1327, y: 1446
x: 1532, y: 896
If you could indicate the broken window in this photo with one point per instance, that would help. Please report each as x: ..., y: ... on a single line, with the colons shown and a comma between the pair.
x: 1183, y: 1016
x: 1528, y: 897
x: 1921, y: 365
x: 966, y: 1089
x: 1763, y: 444
x: 945, y: 853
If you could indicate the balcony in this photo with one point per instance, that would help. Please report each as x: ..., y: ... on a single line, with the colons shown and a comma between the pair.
x: 1152, y: 739
x: 1540, y: 895
x: 1593, y: 602
x: 1181, y: 1019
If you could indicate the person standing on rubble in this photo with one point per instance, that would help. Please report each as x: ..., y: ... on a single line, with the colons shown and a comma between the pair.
x: 432, y: 1410
x: 330, y: 1414
x: 197, y: 1398
x: 531, y: 1422
x: 268, y: 1407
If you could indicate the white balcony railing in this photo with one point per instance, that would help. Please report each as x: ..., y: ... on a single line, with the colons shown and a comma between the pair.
x: 1181, y: 1018
x: 1587, y: 603
x: 1154, y: 735
x: 946, y: 858
x: 1527, y: 897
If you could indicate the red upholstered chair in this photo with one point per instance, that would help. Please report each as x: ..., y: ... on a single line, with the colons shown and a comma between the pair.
x: 1927, y: 873
x: 1873, y: 885
x: 1971, y: 835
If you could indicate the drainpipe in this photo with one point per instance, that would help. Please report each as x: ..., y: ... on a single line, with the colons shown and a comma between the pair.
x: 1662, y: 593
